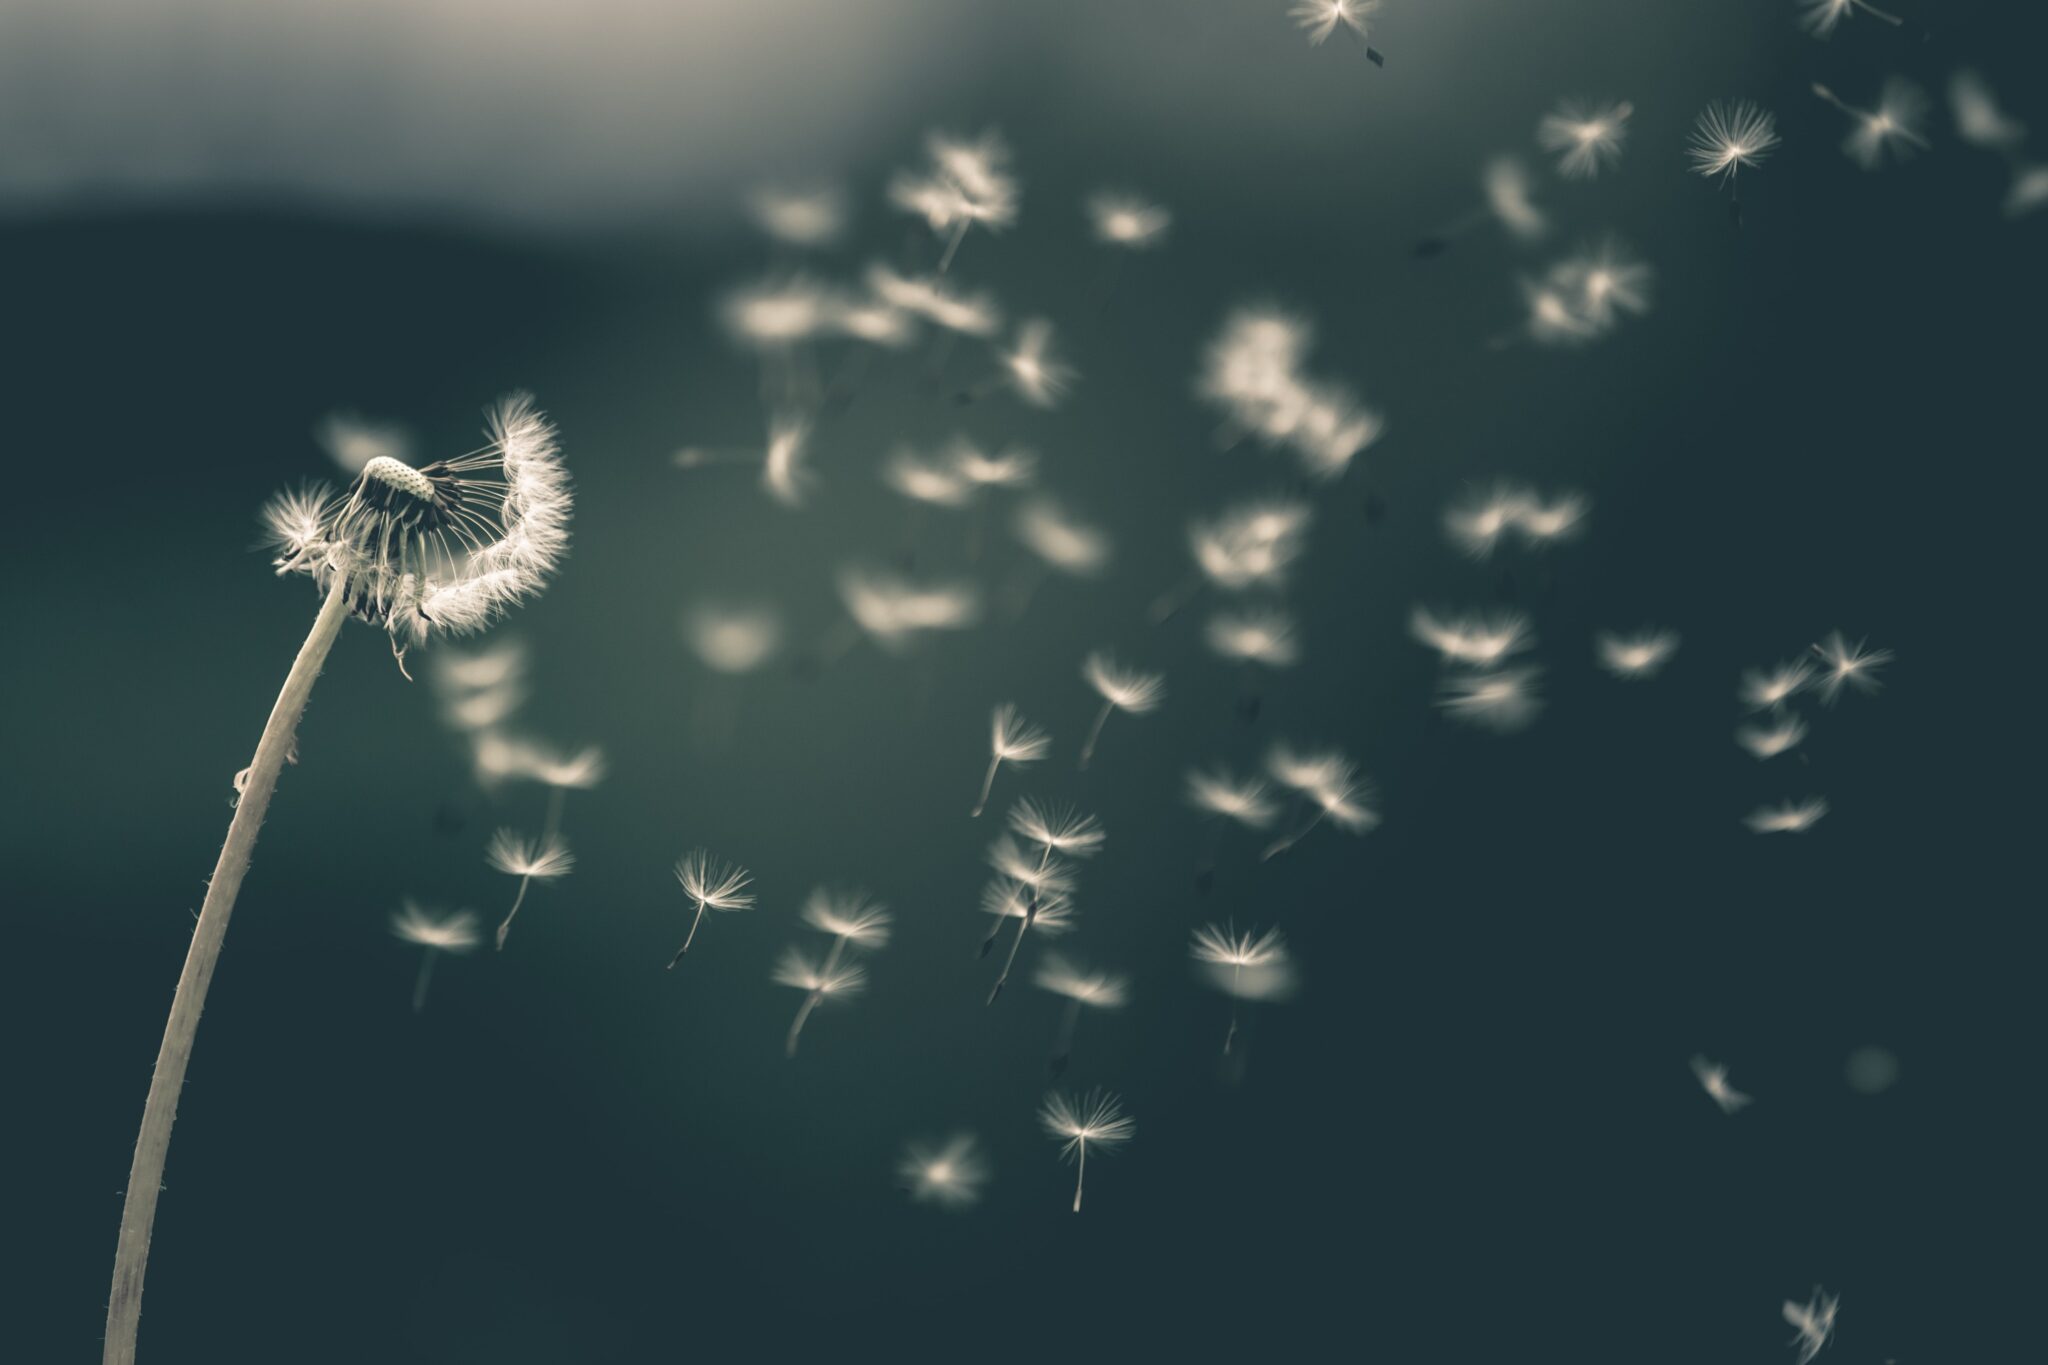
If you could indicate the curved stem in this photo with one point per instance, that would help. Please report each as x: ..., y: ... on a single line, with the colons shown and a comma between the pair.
x: 1095, y: 732
x: 1081, y: 1175
x: 796, y: 1027
x: 689, y: 938
x: 1023, y: 927
x: 153, y: 1142
x: 987, y: 785
x: 517, y: 901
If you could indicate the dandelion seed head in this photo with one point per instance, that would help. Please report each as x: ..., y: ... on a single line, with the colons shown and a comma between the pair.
x: 1007, y: 899
x: 1254, y: 635
x: 1250, y: 965
x: 1244, y: 800
x: 855, y: 916
x: 454, y: 932
x: 515, y: 855
x: 797, y: 969
x: 968, y: 181
x: 1502, y: 700
x: 1846, y: 665
x: 1127, y: 689
x: 1638, y: 655
x: 1039, y: 377
x: 1586, y: 136
x: 1598, y: 286
x: 1481, y: 638
x: 1125, y: 220
x: 949, y: 1174
x: 1320, y: 18
x: 1814, y: 1321
x: 1787, y: 817
x: 714, y: 883
x: 1070, y: 546
x: 1096, y: 1119
x: 1062, y: 829
x: 775, y: 315
x: 1014, y: 739
x: 1729, y: 135
x: 1097, y: 990
x: 1043, y: 874
x: 1761, y: 688
x: 733, y: 637
x: 1768, y: 741
x: 2029, y: 191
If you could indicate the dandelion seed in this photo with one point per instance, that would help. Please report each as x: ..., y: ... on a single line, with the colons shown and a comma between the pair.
x: 969, y: 183
x: 1552, y: 314
x: 1012, y: 739
x: 893, y: 611
x: 1125, y: 220
x: 949, y: 1174
x: 854, y: 920
x: 1510, y: 198
x: 1254, y: 636
x: 479, y: 691
x: 1561, y: 518
x: 733, y: 637
x: 1328, y: 785
x: 1251, y: 545
x: 1058, y: 829
x: 1979, y: 120
x: 352, y: 442
x: 1321, y: 18
x: 1063, y: 543
x: 1477, y: 524
x: 775, y: 316
x: 1847, y: 665
x: 1730, y: 135
x: 1503, y: 700
x: 1641, y: 655
x: 1043, y: 875
x: 2029, y: 191
x: 1598, y: 286
x: 1006, y: 900
x: 1821, y: 17
x: 1713, y: 1079
x: 1122, y: 689
x: 1586, y: 136
x: 1039, y: 377
x: 1250, y: 968
x: 1097, y: 1120
x: 1893, y: 127
x: 1045, y: 880
x: 1787, y: 817
x: 711, y: 884
x: 1768, y: 741
x: 974, y: 315
x: 1010, y: 468
x: 1815, y: 1321
x: 1762, y: 689
x: 434, y: 551
x: 437, y: 933
x: 782, y: 470
x: 1244, y: 800
x: 1252, y: 370
x: 822, y: 983
x: 1480, y: 638
x: 934, y: 481
x: 1082, y: 989
x: 531, y: 860
x: 800, y: 217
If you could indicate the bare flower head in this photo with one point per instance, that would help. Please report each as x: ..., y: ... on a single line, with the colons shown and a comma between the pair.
x: 1038, y: 375
x: 713, y: 884
x: 452, y: 932
x: 442, y: 549
x: 894, y: 611
x: 1510, y: 198
x: 1248, y: 966
x: 1762, y: 689
x: 799, y: 970
x: 1126, y: 689
x: 1126, y: 220
x: 1057, y: 829
x: 1479, y: 638
x: 1245, y: 800
x: 1062, y: 542
x: 1845, y: 665
x: 1014, y: 739
x: 810, y: 217
x: 733, y: 637
x: 1814, y: 1322
x: 516, y: 855
x: 852, y: 916
x: 1729, y: 135
x: 1787, y: 817
x: 1263, y: 635
x: 1502, y: 699
x: 1713, y: 1079
x: 1640, y: 654
x: 949, y: 1174
x: 1585, y: 135
x: 1768, y: 741
x: 1097, y: 990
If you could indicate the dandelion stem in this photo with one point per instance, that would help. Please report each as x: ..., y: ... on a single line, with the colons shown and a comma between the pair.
x: 517, y: 901
x: 1876, y: 13
x: 1169, y: 603
x: 1230, y: 1035
x: 688, y: 938
x: 1080, y: 1175
x: 1095, y: 732
x: 419, y: 985
x: 959, y: 236
x: 987, y: 784
x: 152, y: 1143
x: 1023, y: 927
x: 796, y: 1026
x: 1287, y: 841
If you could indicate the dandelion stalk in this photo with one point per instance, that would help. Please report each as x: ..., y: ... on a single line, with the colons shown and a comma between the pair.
x: 419, y: 985
x: 1023, y: 928
x: 152, y: 1144
x: 688, y: 938
x: 1095, y: 732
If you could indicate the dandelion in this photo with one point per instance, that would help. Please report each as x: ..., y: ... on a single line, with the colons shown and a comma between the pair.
x: 1244, y: 800
x: 733, y: 637
x: 1254, y: 636
x: 1082, y: 989
x: 1728, y: 136
x: 949, y: 1174
x: 1713, y: 1079
x: 1586, y: 136
x: 1038, y: 376
x: 1481, y: 639
x: 711, y: 884
x: 1252, y: 545
x: 1768, y: 741
x: 1787, y: 817
x: 1765, y: 689
x: 1503, y: 700
x: 1058, y: 830
x: 854, y: 920
x: 1048, y: 911
x: 1010, y: 468
x: 1321, y: 18
x: 1510, y: 198
x: 1127, y: 221
x: 1477, y: 525
x: 775, y: 316
x: 934, y: 481
x: 1847, y: 665
x: 1121, y: 689
x: 1249, y: 967
x: 969, y: 183
x: 531, y: 860
x: 1097, y: 1119
x: 1641, y: 655
x: 927, y: 297
x: 1060, y: 541
x: 820, y: 982
x: 1012, y: 739
x: 2028, y: 191
x: 1815, y: 1321
x: 799, y: 217
x: 1328, y: 785
x: 893, y: 610
x: 1253, y: 371
x: 1894, y: 126
x: 782, y: 470
x: 482, y: 690
x: 450, y: 933
x: 1552, y: 315
x: 1979, y: 120
x: 1600, y: 285
x: 435, y: 551
x: 1821, y: 17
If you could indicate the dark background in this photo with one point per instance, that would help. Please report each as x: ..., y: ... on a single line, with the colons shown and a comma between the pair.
x: 1473, y: 1136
